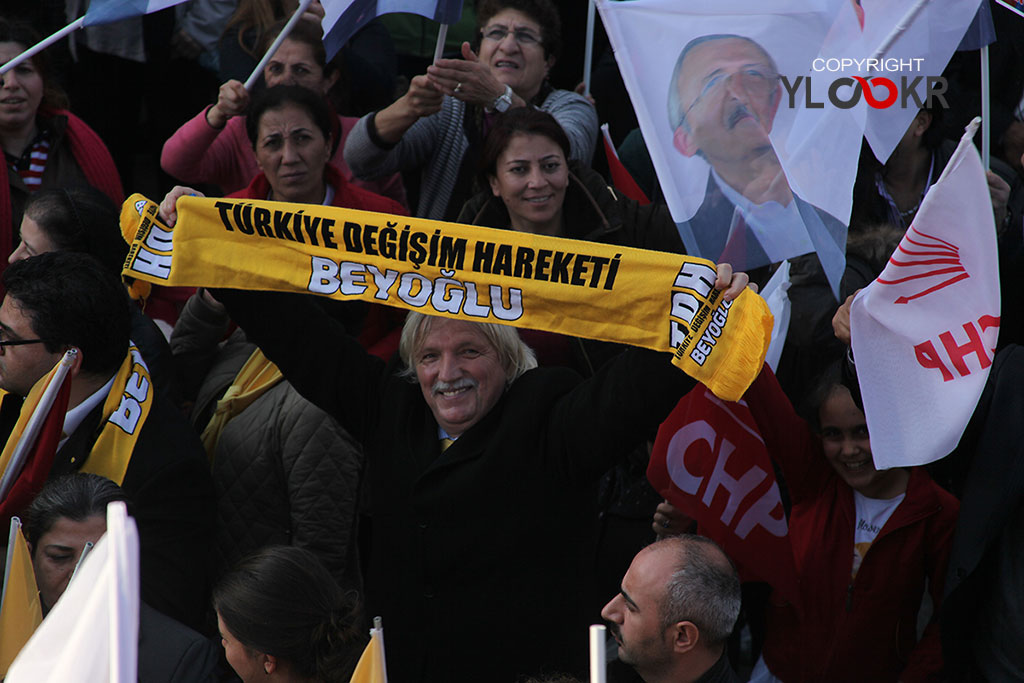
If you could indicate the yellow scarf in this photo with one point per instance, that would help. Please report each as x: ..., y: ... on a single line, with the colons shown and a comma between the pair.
x: 657, y: 300
x: 124, y: 412
x: 255, y: 378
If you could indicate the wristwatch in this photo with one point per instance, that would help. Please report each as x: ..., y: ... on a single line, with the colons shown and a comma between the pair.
x: 503, y: 101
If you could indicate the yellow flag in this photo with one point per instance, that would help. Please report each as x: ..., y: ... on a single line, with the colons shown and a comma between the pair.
x: 21, y: 611
x: 657, y: 300
x: 371, y: 668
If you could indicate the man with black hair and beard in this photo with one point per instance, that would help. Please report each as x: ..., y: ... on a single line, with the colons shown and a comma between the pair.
x: 678, y: 605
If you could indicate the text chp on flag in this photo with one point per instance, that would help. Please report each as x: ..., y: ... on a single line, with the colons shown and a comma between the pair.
x: 924, y: 333
x: 711, y: 462
x: 467, y: 272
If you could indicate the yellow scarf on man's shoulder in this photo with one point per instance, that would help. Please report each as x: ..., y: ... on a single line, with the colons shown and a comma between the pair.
x: 125, y: 409
x: 124, y: 413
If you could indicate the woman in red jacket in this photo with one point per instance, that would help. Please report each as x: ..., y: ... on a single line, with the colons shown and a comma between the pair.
x: 212, y: 147
x: 44, y: 145
x: 290, y: 130
x: 865, y: 541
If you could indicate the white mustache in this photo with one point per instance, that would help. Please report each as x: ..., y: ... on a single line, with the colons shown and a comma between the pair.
x: 464, y: 383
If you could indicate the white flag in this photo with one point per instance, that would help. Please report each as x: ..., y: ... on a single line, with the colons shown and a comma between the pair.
x: 913, y: 41
x: 925, y: 331
x: 776, y: 294
x: 108, y: 11
x: 92, y: 634
x: 751, y: 174
x: 342, y: 18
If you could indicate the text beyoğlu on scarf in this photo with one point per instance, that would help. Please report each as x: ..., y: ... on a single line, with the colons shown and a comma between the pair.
x: 657, y: 300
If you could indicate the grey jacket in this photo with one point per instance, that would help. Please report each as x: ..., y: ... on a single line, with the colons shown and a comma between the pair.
x: 284, y: 471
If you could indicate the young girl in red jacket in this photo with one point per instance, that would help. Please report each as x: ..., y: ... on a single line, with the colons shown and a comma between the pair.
x: 866, y: 543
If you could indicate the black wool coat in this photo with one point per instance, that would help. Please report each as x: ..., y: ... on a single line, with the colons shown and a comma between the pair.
x: 481, y: 556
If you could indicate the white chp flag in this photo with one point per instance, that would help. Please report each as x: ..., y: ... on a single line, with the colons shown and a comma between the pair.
x: 925, y: 331
x: 92, y: 634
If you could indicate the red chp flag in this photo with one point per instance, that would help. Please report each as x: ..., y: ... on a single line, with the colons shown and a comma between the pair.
x: 710, y: 461
x: 924, y: 333
x: 30, y: 480
x: 622, y: 179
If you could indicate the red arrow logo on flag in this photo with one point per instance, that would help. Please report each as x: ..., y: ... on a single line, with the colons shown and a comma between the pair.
x: 934, y: 252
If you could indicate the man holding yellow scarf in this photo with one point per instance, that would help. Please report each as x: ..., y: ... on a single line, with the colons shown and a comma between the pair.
x: 482, y: 475
x: 116, y: 425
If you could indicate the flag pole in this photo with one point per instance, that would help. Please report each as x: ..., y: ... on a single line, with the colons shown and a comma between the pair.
x: 378, y: 626
x: 35, y: 423
x: 442, y: 35
x: 303, y: 5
x: 86, y: 549
x: 11, y: 538
x: 123, y: 602
x: 986, y: 115
x: 598, y: 661
x: 901, y: 27
x: 42, y: 45
x: 588, y: 51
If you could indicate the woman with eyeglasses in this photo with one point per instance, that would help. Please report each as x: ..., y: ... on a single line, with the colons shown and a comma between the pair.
x: 438, y: 126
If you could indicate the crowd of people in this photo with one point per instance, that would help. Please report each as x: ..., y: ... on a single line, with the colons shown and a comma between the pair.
x: 297, y: 465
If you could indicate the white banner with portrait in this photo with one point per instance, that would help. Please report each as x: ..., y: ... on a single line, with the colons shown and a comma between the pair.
x: 753, y: 172
x: 754, y: 113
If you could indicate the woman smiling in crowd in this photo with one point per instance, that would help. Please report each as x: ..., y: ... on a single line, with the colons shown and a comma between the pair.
x: 865, y: 542
x: 533, y: 186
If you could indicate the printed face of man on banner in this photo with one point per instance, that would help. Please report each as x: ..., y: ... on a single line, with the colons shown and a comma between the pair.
x: 726, y: 93
x: 722, y: 101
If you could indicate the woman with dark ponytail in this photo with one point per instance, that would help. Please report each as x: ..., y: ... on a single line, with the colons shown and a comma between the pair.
x: 283, y: 618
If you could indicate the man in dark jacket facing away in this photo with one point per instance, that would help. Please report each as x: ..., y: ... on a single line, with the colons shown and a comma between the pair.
x: 115, y: 424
